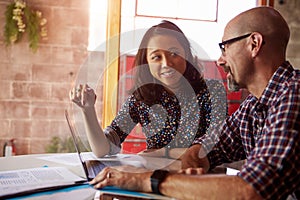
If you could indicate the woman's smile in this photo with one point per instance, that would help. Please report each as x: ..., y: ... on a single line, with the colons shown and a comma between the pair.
x: 168, y: 73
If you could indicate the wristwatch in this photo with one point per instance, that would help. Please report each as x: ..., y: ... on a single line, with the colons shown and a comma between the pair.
x: 156, y: 178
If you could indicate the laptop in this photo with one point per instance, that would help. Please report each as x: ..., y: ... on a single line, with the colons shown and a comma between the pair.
x: 91, y: 167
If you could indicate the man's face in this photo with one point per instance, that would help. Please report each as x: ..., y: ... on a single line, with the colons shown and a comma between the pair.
x: 234, y: 59
x: 232, y: 85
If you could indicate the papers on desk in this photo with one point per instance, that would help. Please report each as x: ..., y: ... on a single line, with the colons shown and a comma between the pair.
x: 231, y: 171
x: 48, y: 181
x: 26, y: 181
x: 73, y: 160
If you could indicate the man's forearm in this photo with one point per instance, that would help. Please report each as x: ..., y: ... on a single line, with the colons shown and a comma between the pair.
x: 207, y: 187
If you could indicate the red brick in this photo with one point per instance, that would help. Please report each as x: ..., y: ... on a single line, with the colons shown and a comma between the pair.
x: 63, y: 55
x: 39, y: 91
x: 20, y: 90
x: 21, y: 53
x: 39, y: 111
x: 40, y: 129
x: 60, y: 92
x: 20, y: 128
x: 4, y: 128
x: 14, y: 110
x: 38, y: 145
x: 56, y: 111
x: 22, y: 146
x: 59, y: 128
x: 18, y: 72
x: 6, y: 90
x: 51, y: 73
x: 49, y: 110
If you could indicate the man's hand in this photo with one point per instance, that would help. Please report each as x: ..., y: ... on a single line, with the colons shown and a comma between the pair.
x: 191, y: 159
x: 126, y: 177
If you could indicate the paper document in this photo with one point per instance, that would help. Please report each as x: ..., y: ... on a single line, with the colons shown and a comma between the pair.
x: 25, y: 181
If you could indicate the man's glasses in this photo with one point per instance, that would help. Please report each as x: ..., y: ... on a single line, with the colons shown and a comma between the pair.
x: 222, y: 44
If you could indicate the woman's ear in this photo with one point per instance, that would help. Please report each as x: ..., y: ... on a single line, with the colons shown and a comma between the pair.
x: 257, y: 42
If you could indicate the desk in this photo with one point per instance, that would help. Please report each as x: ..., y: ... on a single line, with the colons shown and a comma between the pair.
x: 71, y: 162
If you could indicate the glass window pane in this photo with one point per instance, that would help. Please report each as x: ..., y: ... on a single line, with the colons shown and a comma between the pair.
x: 179, y: 9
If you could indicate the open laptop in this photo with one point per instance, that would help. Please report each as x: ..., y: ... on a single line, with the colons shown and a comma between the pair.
x: 91, y: 167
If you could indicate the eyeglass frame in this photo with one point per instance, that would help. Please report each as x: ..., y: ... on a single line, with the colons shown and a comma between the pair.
x: 232, y: 40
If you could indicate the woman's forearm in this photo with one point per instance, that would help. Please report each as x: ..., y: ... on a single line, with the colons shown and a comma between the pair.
x: 97, y: 140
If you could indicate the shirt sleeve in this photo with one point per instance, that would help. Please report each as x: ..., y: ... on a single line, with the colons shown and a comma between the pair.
x: 223, y: 144
x: 114, y: 139
x: 272, y: 167
x: 218, y: 102
x: 121, y: 125
x: 213, y: 106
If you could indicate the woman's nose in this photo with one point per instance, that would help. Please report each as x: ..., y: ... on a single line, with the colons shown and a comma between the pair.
x: 167, y: 61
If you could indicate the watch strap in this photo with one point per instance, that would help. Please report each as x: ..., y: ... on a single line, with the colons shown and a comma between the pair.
x: 156, y: 178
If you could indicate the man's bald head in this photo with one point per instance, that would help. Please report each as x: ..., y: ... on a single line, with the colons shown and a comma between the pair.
x: 264, y: 20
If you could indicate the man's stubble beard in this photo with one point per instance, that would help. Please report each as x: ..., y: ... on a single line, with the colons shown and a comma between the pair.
x: 232, y: 85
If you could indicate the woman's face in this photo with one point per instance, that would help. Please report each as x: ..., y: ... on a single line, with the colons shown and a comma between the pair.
x: 166, y: 60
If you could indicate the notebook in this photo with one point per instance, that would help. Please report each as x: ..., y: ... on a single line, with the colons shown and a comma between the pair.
x: 91, y: 167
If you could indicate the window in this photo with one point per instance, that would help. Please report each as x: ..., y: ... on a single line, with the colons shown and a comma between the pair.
x: 202, y: 10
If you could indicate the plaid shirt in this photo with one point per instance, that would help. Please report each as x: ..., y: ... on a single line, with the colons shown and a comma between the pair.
x: 265, y: 132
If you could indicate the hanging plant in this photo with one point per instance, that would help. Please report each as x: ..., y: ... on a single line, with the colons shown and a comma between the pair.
x: 20, y: 19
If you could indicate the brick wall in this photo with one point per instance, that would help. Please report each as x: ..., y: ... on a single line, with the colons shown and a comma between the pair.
x: 290, y: 10
x: 34, y: 86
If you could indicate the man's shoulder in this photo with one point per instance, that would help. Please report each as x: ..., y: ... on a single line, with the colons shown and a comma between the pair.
x: 296, y: 78
x: 292, y: 82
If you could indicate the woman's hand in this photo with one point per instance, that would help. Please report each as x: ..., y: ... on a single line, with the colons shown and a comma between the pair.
x: 83, y: 96
x: 126, y: 177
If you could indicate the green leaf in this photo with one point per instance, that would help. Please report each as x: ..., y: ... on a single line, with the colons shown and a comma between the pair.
x: 31, y: 20
x: 32, y: 28
x: 11, y: 33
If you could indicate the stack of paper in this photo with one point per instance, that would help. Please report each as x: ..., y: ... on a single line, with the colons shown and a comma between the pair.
x: 26, y: 181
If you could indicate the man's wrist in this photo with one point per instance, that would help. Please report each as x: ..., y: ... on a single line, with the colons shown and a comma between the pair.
x: 157, y: 177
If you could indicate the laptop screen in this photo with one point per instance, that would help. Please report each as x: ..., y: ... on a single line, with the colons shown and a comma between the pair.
x: 72, y: 130
x: 91, y: 167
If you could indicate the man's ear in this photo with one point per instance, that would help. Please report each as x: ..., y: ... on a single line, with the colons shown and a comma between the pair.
x: 257, y: 42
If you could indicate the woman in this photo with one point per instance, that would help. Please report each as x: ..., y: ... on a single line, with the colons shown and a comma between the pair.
x: 169, y: 99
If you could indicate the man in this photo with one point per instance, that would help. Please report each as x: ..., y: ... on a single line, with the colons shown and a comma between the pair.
x: 264, y: 130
